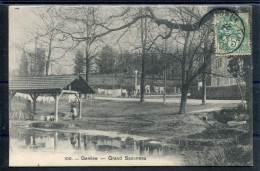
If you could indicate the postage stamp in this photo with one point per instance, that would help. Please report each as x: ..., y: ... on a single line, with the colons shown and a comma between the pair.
x: 232, y: 34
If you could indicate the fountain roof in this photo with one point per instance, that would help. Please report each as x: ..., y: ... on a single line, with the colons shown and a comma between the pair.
x: 49, y: 84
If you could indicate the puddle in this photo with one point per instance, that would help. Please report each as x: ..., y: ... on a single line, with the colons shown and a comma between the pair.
x: 94, y: 132
x: 33, y: 147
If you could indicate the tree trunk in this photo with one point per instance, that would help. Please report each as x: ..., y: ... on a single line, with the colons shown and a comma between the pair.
x: 31, y: 65
x: 142, y: 78
x: 87, y: 70
x: 185, y: 86
x: 165, y: 64
x: 164, y: 92
x: 184, y: 92
x: 48, y: 58
x: 87, y: 62
x: 204, y: 89
x: 143, y: 40
x: 35, y: 57
x: 47, y: 67
x: 113, y: 79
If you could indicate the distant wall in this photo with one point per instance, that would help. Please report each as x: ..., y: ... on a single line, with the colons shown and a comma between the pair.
x: 111, y: 81
x: 219, y: 92
x: 112, y: 92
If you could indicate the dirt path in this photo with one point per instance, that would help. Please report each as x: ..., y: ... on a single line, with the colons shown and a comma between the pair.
x: 169, y: 100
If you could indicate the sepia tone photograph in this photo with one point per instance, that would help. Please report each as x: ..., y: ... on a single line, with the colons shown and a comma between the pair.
x: 128, y: 85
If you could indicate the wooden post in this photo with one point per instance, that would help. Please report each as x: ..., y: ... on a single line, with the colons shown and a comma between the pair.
x: 57, y: 97
x: 34, y: 97
x: 34, y: 103
x: 11, y: 95
x: 56, y: 107
x: 80, y: 105
x: 55, y: 140
x: 79, y: 136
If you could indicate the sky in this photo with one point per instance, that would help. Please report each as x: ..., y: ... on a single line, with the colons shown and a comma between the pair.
x: 19, y: 20
x: 23, y: 19
x: 22, y: 22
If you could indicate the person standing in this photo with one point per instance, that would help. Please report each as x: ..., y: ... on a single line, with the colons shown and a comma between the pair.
x: 74, y: 110
x: 138, y: 93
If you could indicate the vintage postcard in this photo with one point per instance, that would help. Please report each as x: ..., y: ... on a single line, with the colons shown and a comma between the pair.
x: 130, y: 85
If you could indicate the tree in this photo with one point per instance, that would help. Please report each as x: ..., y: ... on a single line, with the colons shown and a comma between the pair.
x: 188, y: 22
x: 24, y: 65
x: 106, y: 60
x: 128, y: 62
x: 240, y: 67
x: 154, y: 63
x: 40, y: 61
x: 195, y: 57
x: 144, y: 35
x: 192, y: 65
x: 79, y: 62
x: 33, y: 63
x: 48, y: 34
x: 145, y: 46
x: 83, y: 22
x: 91, y: 28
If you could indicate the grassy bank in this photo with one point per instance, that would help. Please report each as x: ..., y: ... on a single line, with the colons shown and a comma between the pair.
x: 146, y: 119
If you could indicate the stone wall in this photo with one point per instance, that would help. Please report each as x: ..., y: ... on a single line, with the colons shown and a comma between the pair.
x: 219, y: 92
x: 109, y: 81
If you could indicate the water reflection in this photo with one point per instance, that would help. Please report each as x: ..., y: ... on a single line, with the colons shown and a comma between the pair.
x: 41, y: 141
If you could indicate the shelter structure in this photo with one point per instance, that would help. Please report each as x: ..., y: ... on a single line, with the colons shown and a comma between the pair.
x: 55, y: 85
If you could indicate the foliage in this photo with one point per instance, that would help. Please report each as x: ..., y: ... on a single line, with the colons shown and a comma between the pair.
x: 24, y: 64
x: 106, y: 60
x: 240, y: 67
x: 32, y: 64
x: 79, y: 62
x: 154, y: 64
x: 40, y: 61
x: 127, y: 63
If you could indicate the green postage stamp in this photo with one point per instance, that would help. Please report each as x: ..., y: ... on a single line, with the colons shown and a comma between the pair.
x: 232, y: 34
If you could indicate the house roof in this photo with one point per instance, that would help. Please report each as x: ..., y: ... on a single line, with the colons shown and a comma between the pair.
x: 49, y: 84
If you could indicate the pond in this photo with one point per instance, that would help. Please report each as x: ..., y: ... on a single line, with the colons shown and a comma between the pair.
x: 43, y: 147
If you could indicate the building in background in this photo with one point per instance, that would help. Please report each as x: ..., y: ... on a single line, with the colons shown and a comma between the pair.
x: 219, y: 73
